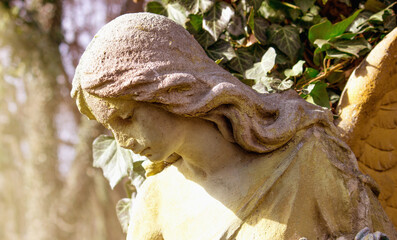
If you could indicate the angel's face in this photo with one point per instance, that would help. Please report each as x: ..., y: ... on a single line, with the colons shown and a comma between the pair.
x: 146, y: 129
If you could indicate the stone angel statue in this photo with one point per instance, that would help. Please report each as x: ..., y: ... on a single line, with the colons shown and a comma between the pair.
x: 368, y: 119
x: 237, y: 164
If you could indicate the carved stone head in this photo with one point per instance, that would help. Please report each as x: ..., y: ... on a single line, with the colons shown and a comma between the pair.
x: 148, y: 58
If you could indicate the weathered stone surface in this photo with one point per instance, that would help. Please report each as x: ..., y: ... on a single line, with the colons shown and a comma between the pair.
x: 238, y: 164
x: 368, y: 119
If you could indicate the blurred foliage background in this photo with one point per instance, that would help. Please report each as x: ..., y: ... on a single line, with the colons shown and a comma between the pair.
x: 48, y: 187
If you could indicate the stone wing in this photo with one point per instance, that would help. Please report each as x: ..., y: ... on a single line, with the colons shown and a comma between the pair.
x: 368, y: 119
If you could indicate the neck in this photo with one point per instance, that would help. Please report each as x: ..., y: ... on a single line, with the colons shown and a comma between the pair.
x: 205, y: 151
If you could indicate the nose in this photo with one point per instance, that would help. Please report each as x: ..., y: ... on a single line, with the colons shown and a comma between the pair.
x: 123, y: 140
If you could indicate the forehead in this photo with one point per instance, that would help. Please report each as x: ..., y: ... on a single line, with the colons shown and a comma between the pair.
x: 104, y: 109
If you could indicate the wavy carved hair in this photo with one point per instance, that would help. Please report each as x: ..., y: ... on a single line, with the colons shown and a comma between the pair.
x: 149, y: 58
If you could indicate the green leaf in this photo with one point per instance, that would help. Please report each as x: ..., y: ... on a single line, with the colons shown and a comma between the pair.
x: 294, y: 13
x: 333, y: 53
x: 156, y: 7
x: 123, y: 212
x: 243, y: 60
x: 359, y: 23
x: 286, y: 39
x: 263, y: 85
x: 260, y: 29
x: 322, y: 44
x: 296, y: 70
x: 255, y: 3
x: 251, y: 20
x: 304, y: 5
x: 353, y: 47
x: 204, y: 38
x: 333, y: 97
x: 217, y: 18
x: 249, y: 82
x: 318, y: 94
x: 348, y: 36
x: 173, y: 11
x: 194, y: 26
x: 196, y: 6
x: 137, y: 175
x: 116, y: 162
x: 257, y: 51
x: 311, y: 73
x: 285, y: 85
x: 195, y: 23
x: 236, y: 26
x: 390, y: 22
x: 221, y: 49
x: 318, y: 56
x: 336, y: 77
x: 312, y: 15
x: 271, y: 13
x: 271, y: 84
x: 326, y: 30
x: 177, y: 12
x: 261, y: 68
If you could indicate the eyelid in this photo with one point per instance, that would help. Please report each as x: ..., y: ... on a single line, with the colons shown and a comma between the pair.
x: 128, y: 116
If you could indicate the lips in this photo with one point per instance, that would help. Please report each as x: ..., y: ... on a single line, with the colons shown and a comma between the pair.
x: 145, y: 152
x: 137, y: 149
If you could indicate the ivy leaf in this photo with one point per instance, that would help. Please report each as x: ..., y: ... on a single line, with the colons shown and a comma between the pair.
x: 348, y: 36
x: 326, y: 30
x: 333, y: 53
x: 336, y: 77
x: 310, y: 73
x: 174, y: 11
x: 177, y: 12
x: 243, y: 60
x: 322, y: 44
x: 251, y: 17
x: 116, y: 162
x: 296, y: 70
x: 271, y: 13
x: 318, y: 94
x: 196, y: 6
x: 353, y: 47
x: 260, y: 69
x: 333, y: 96
x: 284, y: 85
x: 260, y: 28
x: 380, y: 16
x: 123, y: 212
x: 221, y: 49
x: 156, y: 7
x: 312, y: 15
x: 286, y: 39
x: 255, y: 3
x: 304, y: 5
x: 194, y: 26
x: 217, y: 18
x: 204, y: 38
x: 263, y: 85
x: 359, y: 23
x: 257, y: 51
x: 236, y: 26
x: 271, y: 84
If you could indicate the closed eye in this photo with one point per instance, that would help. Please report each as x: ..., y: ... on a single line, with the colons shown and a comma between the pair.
x: 128, y: 118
